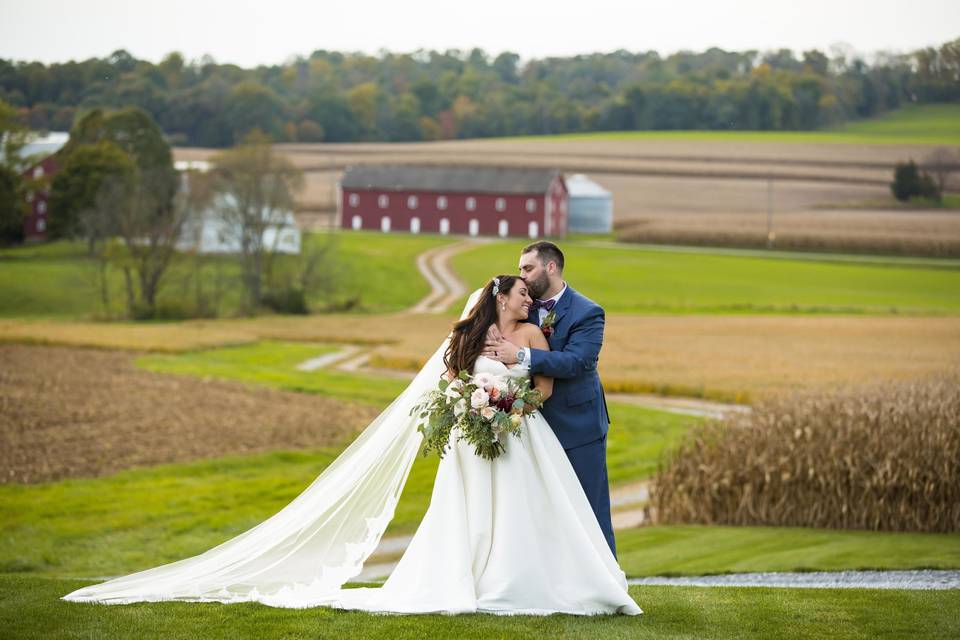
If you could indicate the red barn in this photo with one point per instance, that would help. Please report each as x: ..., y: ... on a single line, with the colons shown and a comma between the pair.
x: 486, y: 201
x: 37, y: 197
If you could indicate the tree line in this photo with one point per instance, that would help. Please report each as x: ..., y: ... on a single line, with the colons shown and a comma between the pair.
x: 428, y: 95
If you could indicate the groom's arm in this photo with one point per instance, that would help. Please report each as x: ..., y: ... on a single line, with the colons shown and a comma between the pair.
x: 578, y: 356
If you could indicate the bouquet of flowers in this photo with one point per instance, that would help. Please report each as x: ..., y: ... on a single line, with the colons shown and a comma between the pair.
x: 481, y: 408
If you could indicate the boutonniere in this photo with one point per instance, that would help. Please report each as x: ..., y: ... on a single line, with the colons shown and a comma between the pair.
x: 548, y: 321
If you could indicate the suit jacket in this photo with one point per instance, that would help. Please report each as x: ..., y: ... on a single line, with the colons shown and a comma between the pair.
x: 577, y: 410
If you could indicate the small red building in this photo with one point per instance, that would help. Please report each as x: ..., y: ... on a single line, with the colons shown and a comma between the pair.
x: 38, y: 178
x: 485, y: 201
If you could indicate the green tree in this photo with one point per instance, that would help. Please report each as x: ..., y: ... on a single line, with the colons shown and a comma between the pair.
x: 13, y: 136
x: 87, y: 169
x: 12, y: 139
x: 363, y: 100
x: 910, y: 182
x: 138, y: 206
x: 11, y: 213
x: 250, y: 107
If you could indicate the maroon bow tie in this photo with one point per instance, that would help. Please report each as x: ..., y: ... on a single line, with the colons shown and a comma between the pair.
x: 544, y: 304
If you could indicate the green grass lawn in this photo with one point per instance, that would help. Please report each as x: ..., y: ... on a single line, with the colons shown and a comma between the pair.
x: 89, y: 528
x: 698, y: 550
x: 30, y: 608
x: 59, y: 280
x: 273, y: 364
x: 141, y: 517
x: 55, y: 280
x: 637, y: 280
x: 934, y: 124
x: 144, y: 517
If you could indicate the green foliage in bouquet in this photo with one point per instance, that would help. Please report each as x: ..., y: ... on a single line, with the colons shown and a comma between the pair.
x: 481, y: 408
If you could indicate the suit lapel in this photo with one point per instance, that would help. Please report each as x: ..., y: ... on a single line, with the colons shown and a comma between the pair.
x: 563, y: 304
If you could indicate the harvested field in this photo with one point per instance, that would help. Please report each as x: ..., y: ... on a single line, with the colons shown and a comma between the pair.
x: 689, y: 191
x: 761, y: 356
x: 728, y: 357
x: 69, y: 412
x: 851, y: 163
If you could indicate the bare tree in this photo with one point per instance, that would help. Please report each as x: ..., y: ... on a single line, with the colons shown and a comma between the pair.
x: 148, y: 223
x: 255, y: 194
x: 940, y: 164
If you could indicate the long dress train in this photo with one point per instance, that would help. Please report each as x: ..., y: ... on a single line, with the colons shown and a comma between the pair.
x: 513, y: 535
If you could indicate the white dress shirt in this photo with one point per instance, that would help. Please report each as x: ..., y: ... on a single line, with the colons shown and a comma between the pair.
x: 542, y: 313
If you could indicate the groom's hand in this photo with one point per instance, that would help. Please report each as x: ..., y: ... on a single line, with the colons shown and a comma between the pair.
x: 499, y: 348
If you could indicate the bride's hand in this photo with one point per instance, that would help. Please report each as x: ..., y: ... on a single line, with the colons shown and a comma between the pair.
x: 501, y: 349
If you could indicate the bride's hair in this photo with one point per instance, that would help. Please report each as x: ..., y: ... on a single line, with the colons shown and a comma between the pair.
x: 469, y: 335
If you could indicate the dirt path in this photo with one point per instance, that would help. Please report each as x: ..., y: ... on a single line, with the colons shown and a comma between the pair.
x: 686, y: 406
x: 446, y: 286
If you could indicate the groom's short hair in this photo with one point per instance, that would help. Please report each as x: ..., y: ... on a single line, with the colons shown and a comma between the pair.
x: 546, y: 251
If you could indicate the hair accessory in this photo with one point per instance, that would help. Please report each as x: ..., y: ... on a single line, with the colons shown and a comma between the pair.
x: 496, y: 286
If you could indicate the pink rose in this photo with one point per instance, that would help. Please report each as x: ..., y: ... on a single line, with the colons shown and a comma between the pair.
x: 479, y: 399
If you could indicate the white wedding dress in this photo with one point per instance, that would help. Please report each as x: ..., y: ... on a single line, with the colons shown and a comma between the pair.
x: 515, y: 535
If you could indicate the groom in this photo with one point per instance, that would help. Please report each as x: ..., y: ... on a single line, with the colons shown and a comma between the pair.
x: 577, y: 410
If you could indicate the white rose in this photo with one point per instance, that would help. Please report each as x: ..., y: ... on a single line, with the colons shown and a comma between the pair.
x: 488, y: 412
x: 484, y: 380
x: 479, y: 399
x: 454, y: 389
x: 515, y: 419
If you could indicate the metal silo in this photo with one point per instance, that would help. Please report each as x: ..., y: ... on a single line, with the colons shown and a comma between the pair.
x: 591, y: 206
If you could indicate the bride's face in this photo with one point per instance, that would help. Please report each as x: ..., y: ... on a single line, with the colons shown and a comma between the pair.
x: 517, y: 302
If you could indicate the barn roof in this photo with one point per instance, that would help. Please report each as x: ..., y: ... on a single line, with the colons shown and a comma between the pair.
x: 446, y: 178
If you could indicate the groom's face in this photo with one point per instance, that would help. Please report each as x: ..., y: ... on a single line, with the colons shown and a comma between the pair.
x: 534, y: 274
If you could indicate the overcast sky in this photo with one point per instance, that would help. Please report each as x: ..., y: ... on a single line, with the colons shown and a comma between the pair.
x: 269, y: 32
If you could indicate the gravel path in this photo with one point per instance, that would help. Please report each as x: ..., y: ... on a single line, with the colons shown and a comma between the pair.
x: 920, y: 579
x: 446, y: 287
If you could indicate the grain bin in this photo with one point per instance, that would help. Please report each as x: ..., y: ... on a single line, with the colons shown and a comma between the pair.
x: 591, y: 206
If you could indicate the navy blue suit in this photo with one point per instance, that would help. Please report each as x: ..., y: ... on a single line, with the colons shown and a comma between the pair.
x: 577, y: 410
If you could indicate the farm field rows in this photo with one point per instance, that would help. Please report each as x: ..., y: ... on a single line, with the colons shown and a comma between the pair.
x: 717, y: 357
x: 830, y: 189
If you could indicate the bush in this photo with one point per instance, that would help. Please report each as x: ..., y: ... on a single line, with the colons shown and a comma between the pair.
x: 885, y: 457
x: 909, y: 182
x: 291, y: 300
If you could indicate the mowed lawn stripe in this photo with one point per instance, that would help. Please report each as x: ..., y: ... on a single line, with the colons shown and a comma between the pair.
x: 631, y: 280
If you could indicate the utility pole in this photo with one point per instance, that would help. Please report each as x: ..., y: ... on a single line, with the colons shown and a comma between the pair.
x: 770, y: 234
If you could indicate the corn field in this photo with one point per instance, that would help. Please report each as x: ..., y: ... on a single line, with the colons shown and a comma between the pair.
x: 883, y: 457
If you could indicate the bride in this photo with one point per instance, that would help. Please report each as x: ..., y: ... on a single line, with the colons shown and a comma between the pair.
x: 509, y: 536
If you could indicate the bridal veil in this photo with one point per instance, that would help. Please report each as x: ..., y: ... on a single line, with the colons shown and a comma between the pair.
x: 317, y: 542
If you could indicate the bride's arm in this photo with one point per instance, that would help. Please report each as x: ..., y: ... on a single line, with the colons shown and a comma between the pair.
x: 542, y: 383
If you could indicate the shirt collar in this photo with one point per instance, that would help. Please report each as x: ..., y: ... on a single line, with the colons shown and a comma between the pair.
x: 556, y: 298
